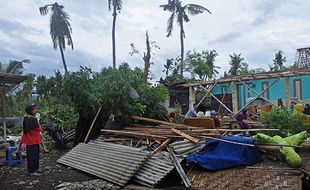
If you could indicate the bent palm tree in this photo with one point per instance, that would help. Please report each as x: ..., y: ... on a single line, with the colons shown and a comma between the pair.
x: 14, y: 67
x: 117, y: 6
x: 60, y: 28
x: 181, y: 14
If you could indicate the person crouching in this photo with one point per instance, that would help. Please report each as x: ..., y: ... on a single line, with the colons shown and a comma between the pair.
x: 32, y: 138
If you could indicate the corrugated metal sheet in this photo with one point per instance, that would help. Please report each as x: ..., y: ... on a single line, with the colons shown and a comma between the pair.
x: 186, y: 147
x: 154, y: 170
x: 112, y: 162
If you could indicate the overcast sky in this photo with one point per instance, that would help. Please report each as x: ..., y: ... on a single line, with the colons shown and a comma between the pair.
x: 255, y: 28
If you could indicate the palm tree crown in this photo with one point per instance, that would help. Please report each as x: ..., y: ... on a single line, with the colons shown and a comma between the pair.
x: 60, y: 27
x: 14, y: 67
x: 236, y: 64
x: 181, y: 14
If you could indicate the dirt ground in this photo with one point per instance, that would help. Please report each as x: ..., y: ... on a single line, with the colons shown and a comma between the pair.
x: 53, y: 174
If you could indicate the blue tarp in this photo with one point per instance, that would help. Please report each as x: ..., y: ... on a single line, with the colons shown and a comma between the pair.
x: 218, y: 155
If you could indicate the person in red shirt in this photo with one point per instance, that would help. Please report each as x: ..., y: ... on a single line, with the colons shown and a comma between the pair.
x: 32, y: 138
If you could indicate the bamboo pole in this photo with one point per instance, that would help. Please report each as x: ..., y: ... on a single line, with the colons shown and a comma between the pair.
x: 208, y: 92
x: 251, y: 101
x: 218, y: 101
x: 233, y: 130
x: 3, y: 113
x: 161, y: 122
x: 230, y: 142
x: 256, y: 92
x: 224, y: 96
x: 92, y: 125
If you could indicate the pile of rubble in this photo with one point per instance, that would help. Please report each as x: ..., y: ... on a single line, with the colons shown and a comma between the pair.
x: 148, y: 155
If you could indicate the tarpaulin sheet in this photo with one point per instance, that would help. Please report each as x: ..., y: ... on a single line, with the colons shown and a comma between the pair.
x: 218, y: 155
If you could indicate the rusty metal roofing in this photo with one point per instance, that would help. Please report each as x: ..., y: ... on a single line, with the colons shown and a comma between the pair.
x: 186, y: 147
x: 154, y: 170
x: 112, y: 162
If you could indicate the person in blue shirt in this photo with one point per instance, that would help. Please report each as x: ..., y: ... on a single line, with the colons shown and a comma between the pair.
x: 192, y: 112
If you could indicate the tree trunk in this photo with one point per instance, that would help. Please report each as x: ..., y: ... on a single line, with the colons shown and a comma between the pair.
x: 147, y: 58
x: 113, y: 36
x: 182, y: 48
x: 63, y: 58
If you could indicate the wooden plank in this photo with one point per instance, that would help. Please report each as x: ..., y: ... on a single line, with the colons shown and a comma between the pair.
x: 230, y: 142
x: 134, y: 134
x: 92, y: 125
x: 161, y: 147
x: 116, y: 139
x: 159, y: 121
x: 188, y: 137
x: 233, y: 130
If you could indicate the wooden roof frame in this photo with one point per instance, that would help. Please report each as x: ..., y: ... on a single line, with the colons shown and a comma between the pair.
x: 248, y: 77
x: 8, y: 80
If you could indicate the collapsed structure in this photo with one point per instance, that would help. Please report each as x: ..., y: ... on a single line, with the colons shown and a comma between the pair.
x: 152, y: 156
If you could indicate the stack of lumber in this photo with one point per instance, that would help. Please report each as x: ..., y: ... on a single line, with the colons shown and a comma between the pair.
x: 156, y: 138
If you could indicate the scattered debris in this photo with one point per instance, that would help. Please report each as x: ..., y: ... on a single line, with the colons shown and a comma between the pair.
x: 92, y: 185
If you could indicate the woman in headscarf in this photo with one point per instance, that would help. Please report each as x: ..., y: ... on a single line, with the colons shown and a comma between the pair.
x: 32, y: 139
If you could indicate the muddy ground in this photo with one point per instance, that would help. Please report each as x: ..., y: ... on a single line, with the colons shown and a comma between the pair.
x: 53, y: 174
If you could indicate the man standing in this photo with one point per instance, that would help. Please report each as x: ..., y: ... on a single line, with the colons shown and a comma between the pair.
x: 192, y: 112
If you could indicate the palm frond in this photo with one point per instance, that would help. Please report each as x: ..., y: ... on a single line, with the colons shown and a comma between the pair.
x: 25, y: 61
x: 16, y: 67
x: 185, y: 17
x: 195, y: 9
x: 109, y: 4
x: 119, y: 4
x: 170, y: 25
x: 44, y: 10
x: 168, y: 7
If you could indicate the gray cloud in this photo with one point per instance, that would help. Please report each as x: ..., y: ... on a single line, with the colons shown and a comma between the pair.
x: 13, y: 27
x: 226, y: 38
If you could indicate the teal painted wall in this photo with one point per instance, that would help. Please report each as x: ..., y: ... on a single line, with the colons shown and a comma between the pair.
x: 218, y: 88
x: 305, y: 86
x: 275, y: 92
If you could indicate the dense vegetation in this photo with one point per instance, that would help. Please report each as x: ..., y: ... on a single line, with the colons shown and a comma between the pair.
x: 287, y: 123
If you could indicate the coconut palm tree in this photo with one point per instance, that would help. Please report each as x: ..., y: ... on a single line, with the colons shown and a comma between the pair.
x: 117, y: 6
x: 180, y: 13
x: 60, y: 28
x: 237, y: 65
x: 14, y: 67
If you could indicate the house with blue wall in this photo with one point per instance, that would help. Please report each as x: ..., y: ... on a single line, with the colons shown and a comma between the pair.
x: 239, y: 91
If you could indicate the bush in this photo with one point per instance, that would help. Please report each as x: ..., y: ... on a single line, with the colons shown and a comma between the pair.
x: 117, y: 86
x: 287, y: 123
x: 114, y: 89
x: 65, y: 116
